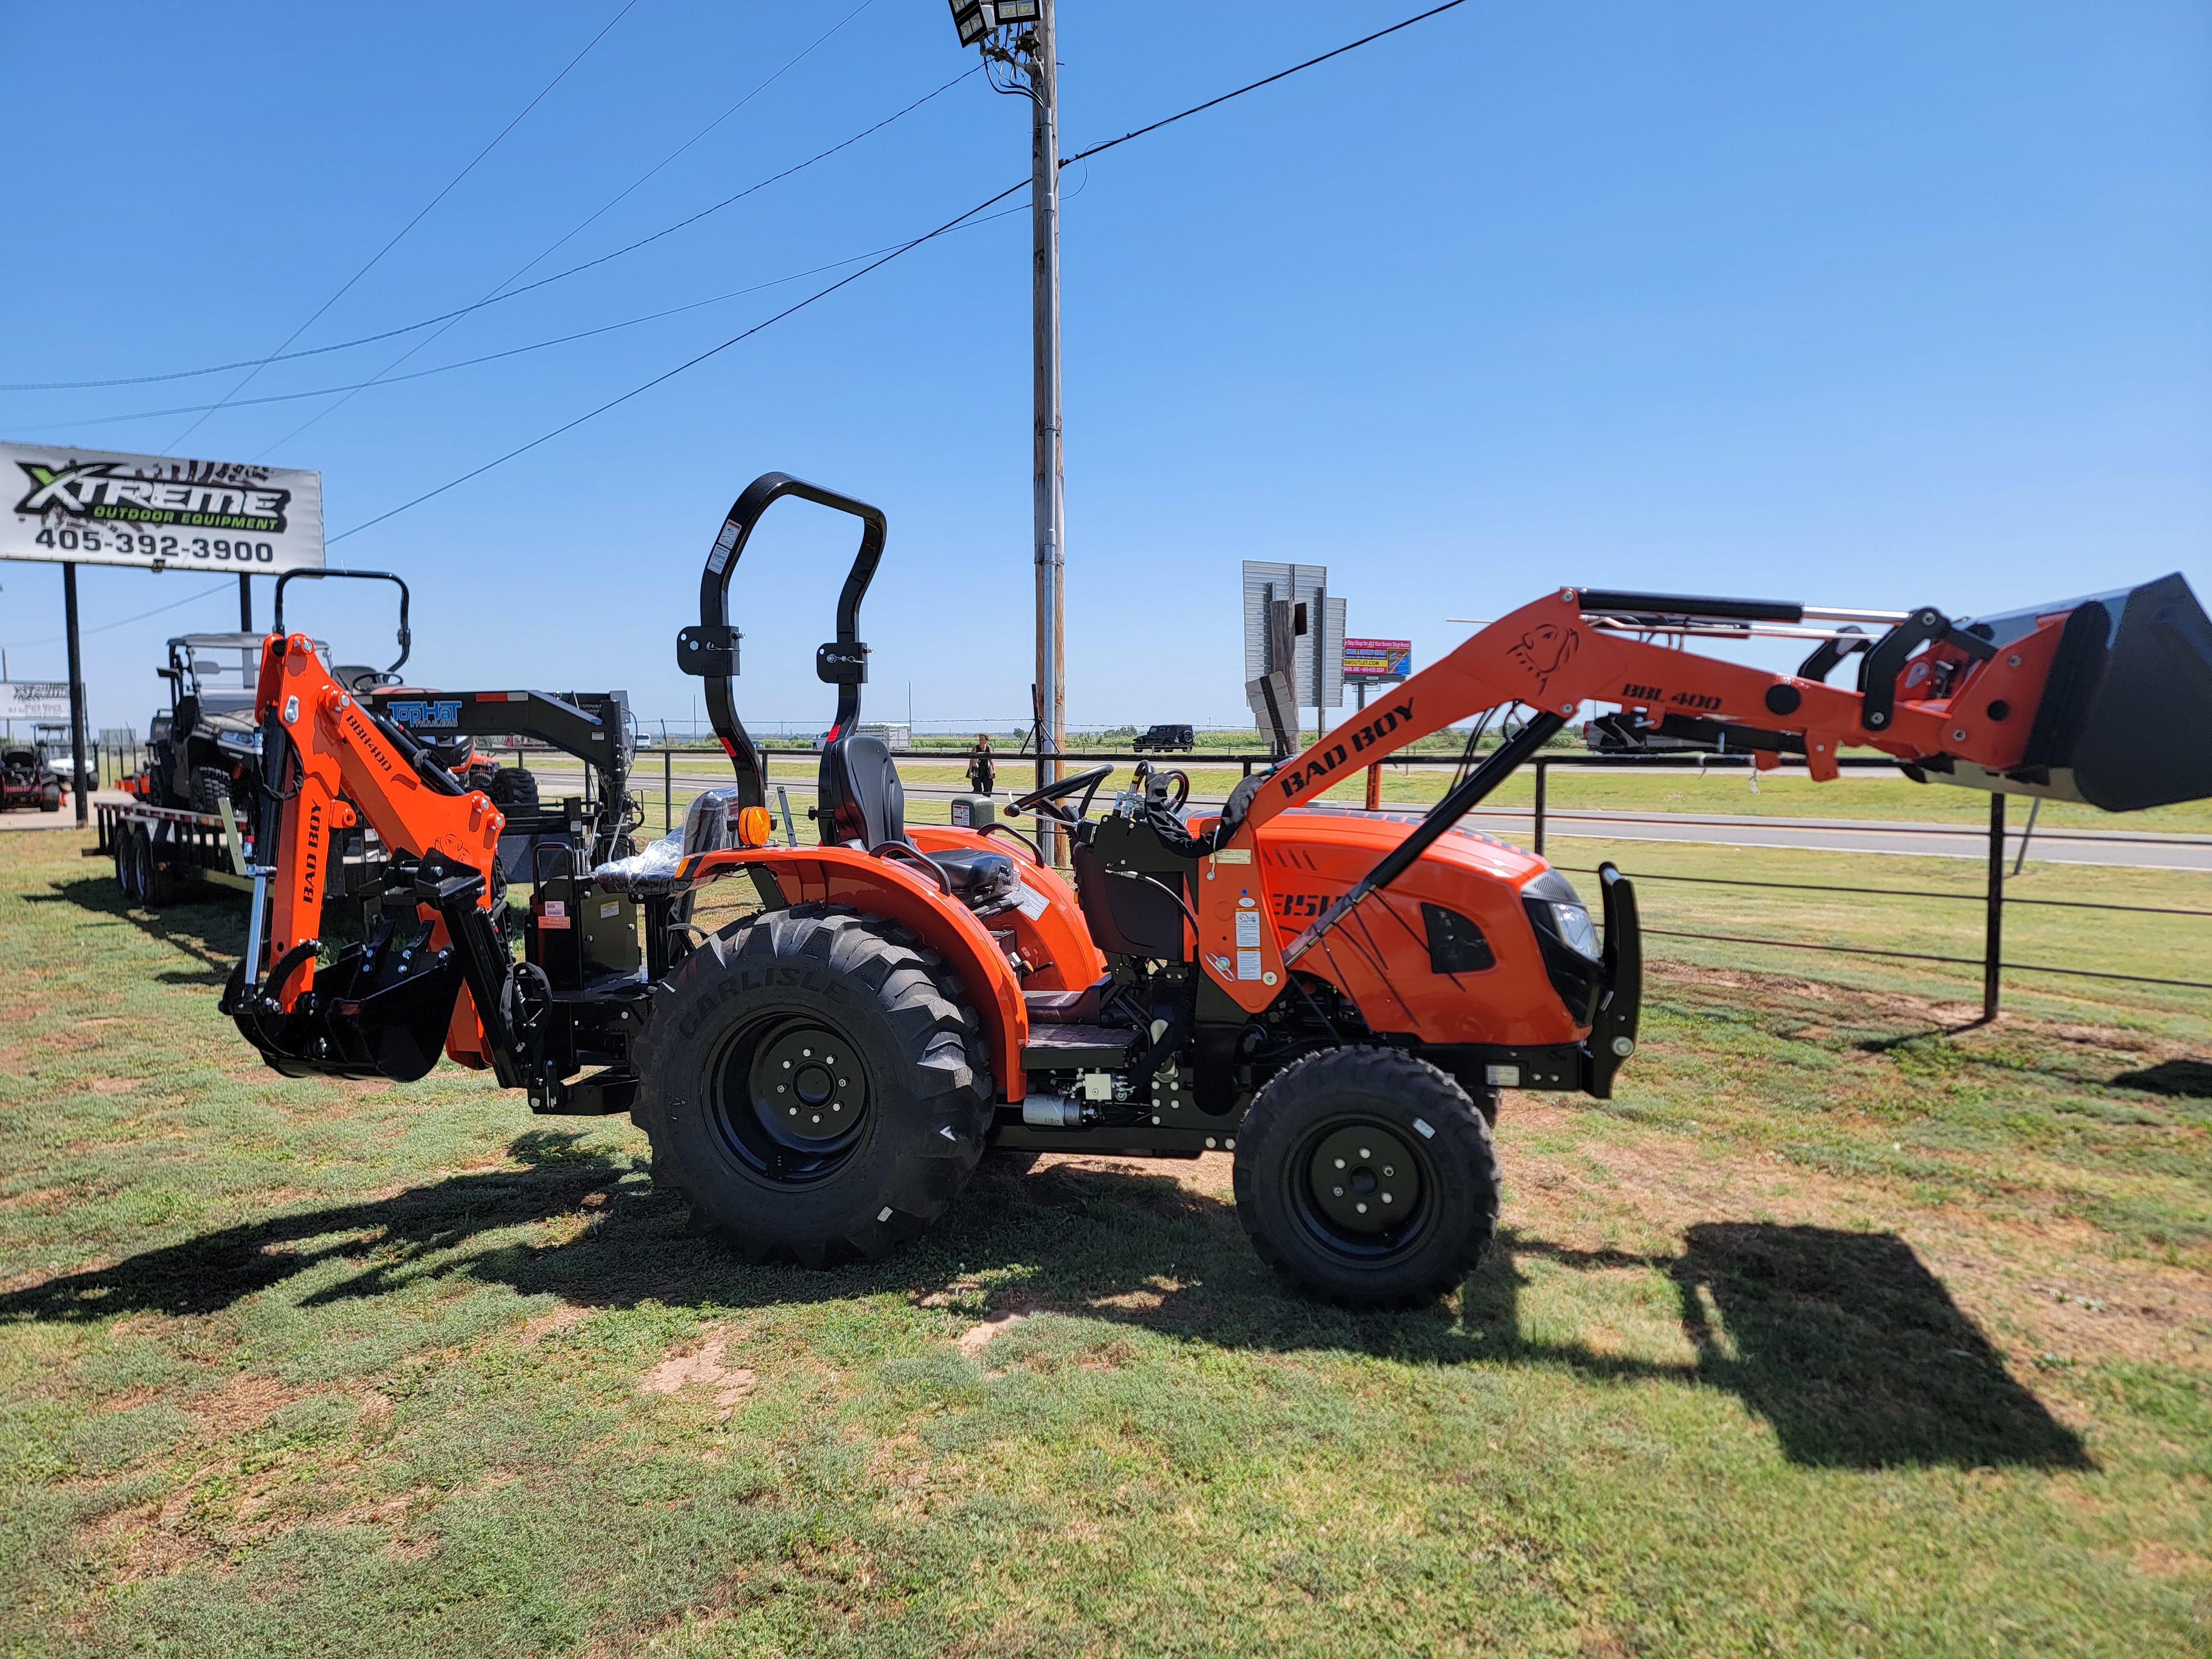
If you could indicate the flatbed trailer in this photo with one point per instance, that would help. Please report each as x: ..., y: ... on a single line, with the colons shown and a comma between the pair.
x: 157, y: 850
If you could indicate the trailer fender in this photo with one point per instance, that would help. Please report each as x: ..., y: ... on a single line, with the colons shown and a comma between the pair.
x: 896, y: 889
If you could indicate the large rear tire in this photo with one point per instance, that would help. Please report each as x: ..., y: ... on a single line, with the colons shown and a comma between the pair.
x: 1367, y: 1177
x: 808, y: 1085
x: 514, y: 788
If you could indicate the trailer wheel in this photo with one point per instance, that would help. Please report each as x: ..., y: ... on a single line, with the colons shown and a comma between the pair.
x: 1368, y: 1177
x: 126, y: 862
x: 807, y: 1085
x: 159, y: 884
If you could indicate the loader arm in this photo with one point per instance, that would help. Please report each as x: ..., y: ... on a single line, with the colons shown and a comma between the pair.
x: 1981, y: 704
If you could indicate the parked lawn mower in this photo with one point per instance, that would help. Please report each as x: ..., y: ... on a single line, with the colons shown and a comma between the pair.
x: 27, y: 778
x: 1335, y: 997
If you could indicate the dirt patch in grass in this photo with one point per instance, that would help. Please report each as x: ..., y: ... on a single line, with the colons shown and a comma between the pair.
x: 241, y: 1402
x: 702, y: 1367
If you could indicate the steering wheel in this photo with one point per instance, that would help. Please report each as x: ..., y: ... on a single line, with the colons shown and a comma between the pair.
x: 1046, y: 803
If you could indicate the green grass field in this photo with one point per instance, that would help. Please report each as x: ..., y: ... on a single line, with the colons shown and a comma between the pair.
x: 1787, y: 793
x: 1843, y: 1330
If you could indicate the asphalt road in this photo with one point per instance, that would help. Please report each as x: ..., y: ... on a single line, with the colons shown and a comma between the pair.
x: 2134, y: 849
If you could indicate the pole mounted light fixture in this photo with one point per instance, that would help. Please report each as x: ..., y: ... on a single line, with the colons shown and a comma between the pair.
x: 974, y: 19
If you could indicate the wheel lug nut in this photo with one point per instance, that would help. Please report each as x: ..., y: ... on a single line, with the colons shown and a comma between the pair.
x: 1339, y: 1191
x: 1361, y: 1208
x: 1387, y: 1169
x: 1340, y: 1163
x: 1386, y: 1198
x: 1365, y: 1154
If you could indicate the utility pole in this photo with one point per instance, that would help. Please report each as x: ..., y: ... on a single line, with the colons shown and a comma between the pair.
x: 1050, y: 482
x: 1016, y: 37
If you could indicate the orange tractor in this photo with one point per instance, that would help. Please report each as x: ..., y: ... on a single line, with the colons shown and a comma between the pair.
x: 1335, y: 997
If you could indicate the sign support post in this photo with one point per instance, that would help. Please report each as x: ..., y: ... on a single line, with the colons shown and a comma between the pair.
x: 245, y: 603
x: 80, y: 788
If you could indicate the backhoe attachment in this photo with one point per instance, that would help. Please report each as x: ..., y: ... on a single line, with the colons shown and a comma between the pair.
x: 383, y: 1008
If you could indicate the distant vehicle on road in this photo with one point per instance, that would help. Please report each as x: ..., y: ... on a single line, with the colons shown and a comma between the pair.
x: 1161, y: 740
x: 1625, y: 734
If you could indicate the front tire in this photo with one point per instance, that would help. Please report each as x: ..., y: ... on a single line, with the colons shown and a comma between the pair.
x: 808, y: 1086
x: 1367, y: 1177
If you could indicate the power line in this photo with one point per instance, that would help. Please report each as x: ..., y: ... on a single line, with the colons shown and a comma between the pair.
x: 903, y: 249
x: 178, y: 604
x: 543, y: 282
x: 1352, y: 46
x: 522, y: 269
x: 513, y: 351
x: 627, y: 7
x: 790, y: 65
x: 819, y: 294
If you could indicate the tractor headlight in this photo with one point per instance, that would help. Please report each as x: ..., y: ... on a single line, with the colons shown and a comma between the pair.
x: 1575, y: 927
x: 1573, y: 960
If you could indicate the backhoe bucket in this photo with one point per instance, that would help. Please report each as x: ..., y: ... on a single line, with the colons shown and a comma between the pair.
x: 2125, y: 721
x: 376, y: 1011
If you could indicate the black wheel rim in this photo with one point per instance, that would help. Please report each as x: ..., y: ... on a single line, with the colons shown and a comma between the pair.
x: 790, y: 1098
x: 1361, y: 1189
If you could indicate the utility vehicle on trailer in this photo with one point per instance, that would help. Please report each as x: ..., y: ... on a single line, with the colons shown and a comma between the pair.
x: 1335, y: 997
x: 195, y: 806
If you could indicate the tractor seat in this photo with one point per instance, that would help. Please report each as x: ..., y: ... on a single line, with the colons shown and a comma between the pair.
x: 862, y: 800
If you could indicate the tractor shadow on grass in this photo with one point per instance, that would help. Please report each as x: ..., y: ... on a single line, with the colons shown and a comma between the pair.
x: 2187, y: 1080
x: 1843, y: 1341
x: 208, y: 925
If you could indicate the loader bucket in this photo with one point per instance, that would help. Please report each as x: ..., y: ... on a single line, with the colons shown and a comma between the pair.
x: 2125, y: 720
x: 375, y: 1011
x: 2128, y: 709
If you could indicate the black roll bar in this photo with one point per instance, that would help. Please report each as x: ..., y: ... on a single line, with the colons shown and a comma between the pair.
x: 406, y: 639
x: 710, y: 650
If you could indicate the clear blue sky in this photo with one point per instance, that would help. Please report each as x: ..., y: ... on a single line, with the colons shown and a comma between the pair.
x: 1868, y: 304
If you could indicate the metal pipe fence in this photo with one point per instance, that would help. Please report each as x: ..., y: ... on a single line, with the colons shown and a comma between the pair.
x: 1544, y: 814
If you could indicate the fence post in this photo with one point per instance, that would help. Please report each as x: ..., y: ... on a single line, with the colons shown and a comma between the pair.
x: 1993, y: 939
x: 1543, y: 770
x: 668, y: 791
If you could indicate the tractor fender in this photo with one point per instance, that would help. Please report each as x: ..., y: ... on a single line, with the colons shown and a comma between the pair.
x: 899, y: 890
x: 1047, y: 926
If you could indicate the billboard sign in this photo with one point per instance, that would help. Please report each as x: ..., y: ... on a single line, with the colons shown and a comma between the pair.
x: 158, y: 513
x: 1313, y: 662
x: 1378, y: 660
x: 33, y: 700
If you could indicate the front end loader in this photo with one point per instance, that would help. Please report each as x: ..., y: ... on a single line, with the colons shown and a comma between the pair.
x: 1336, y: 998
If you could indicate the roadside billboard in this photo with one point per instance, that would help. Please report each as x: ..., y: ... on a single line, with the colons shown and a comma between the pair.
x: 157, y: 513
x: 1378, y: 660
x: 34, y: 700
